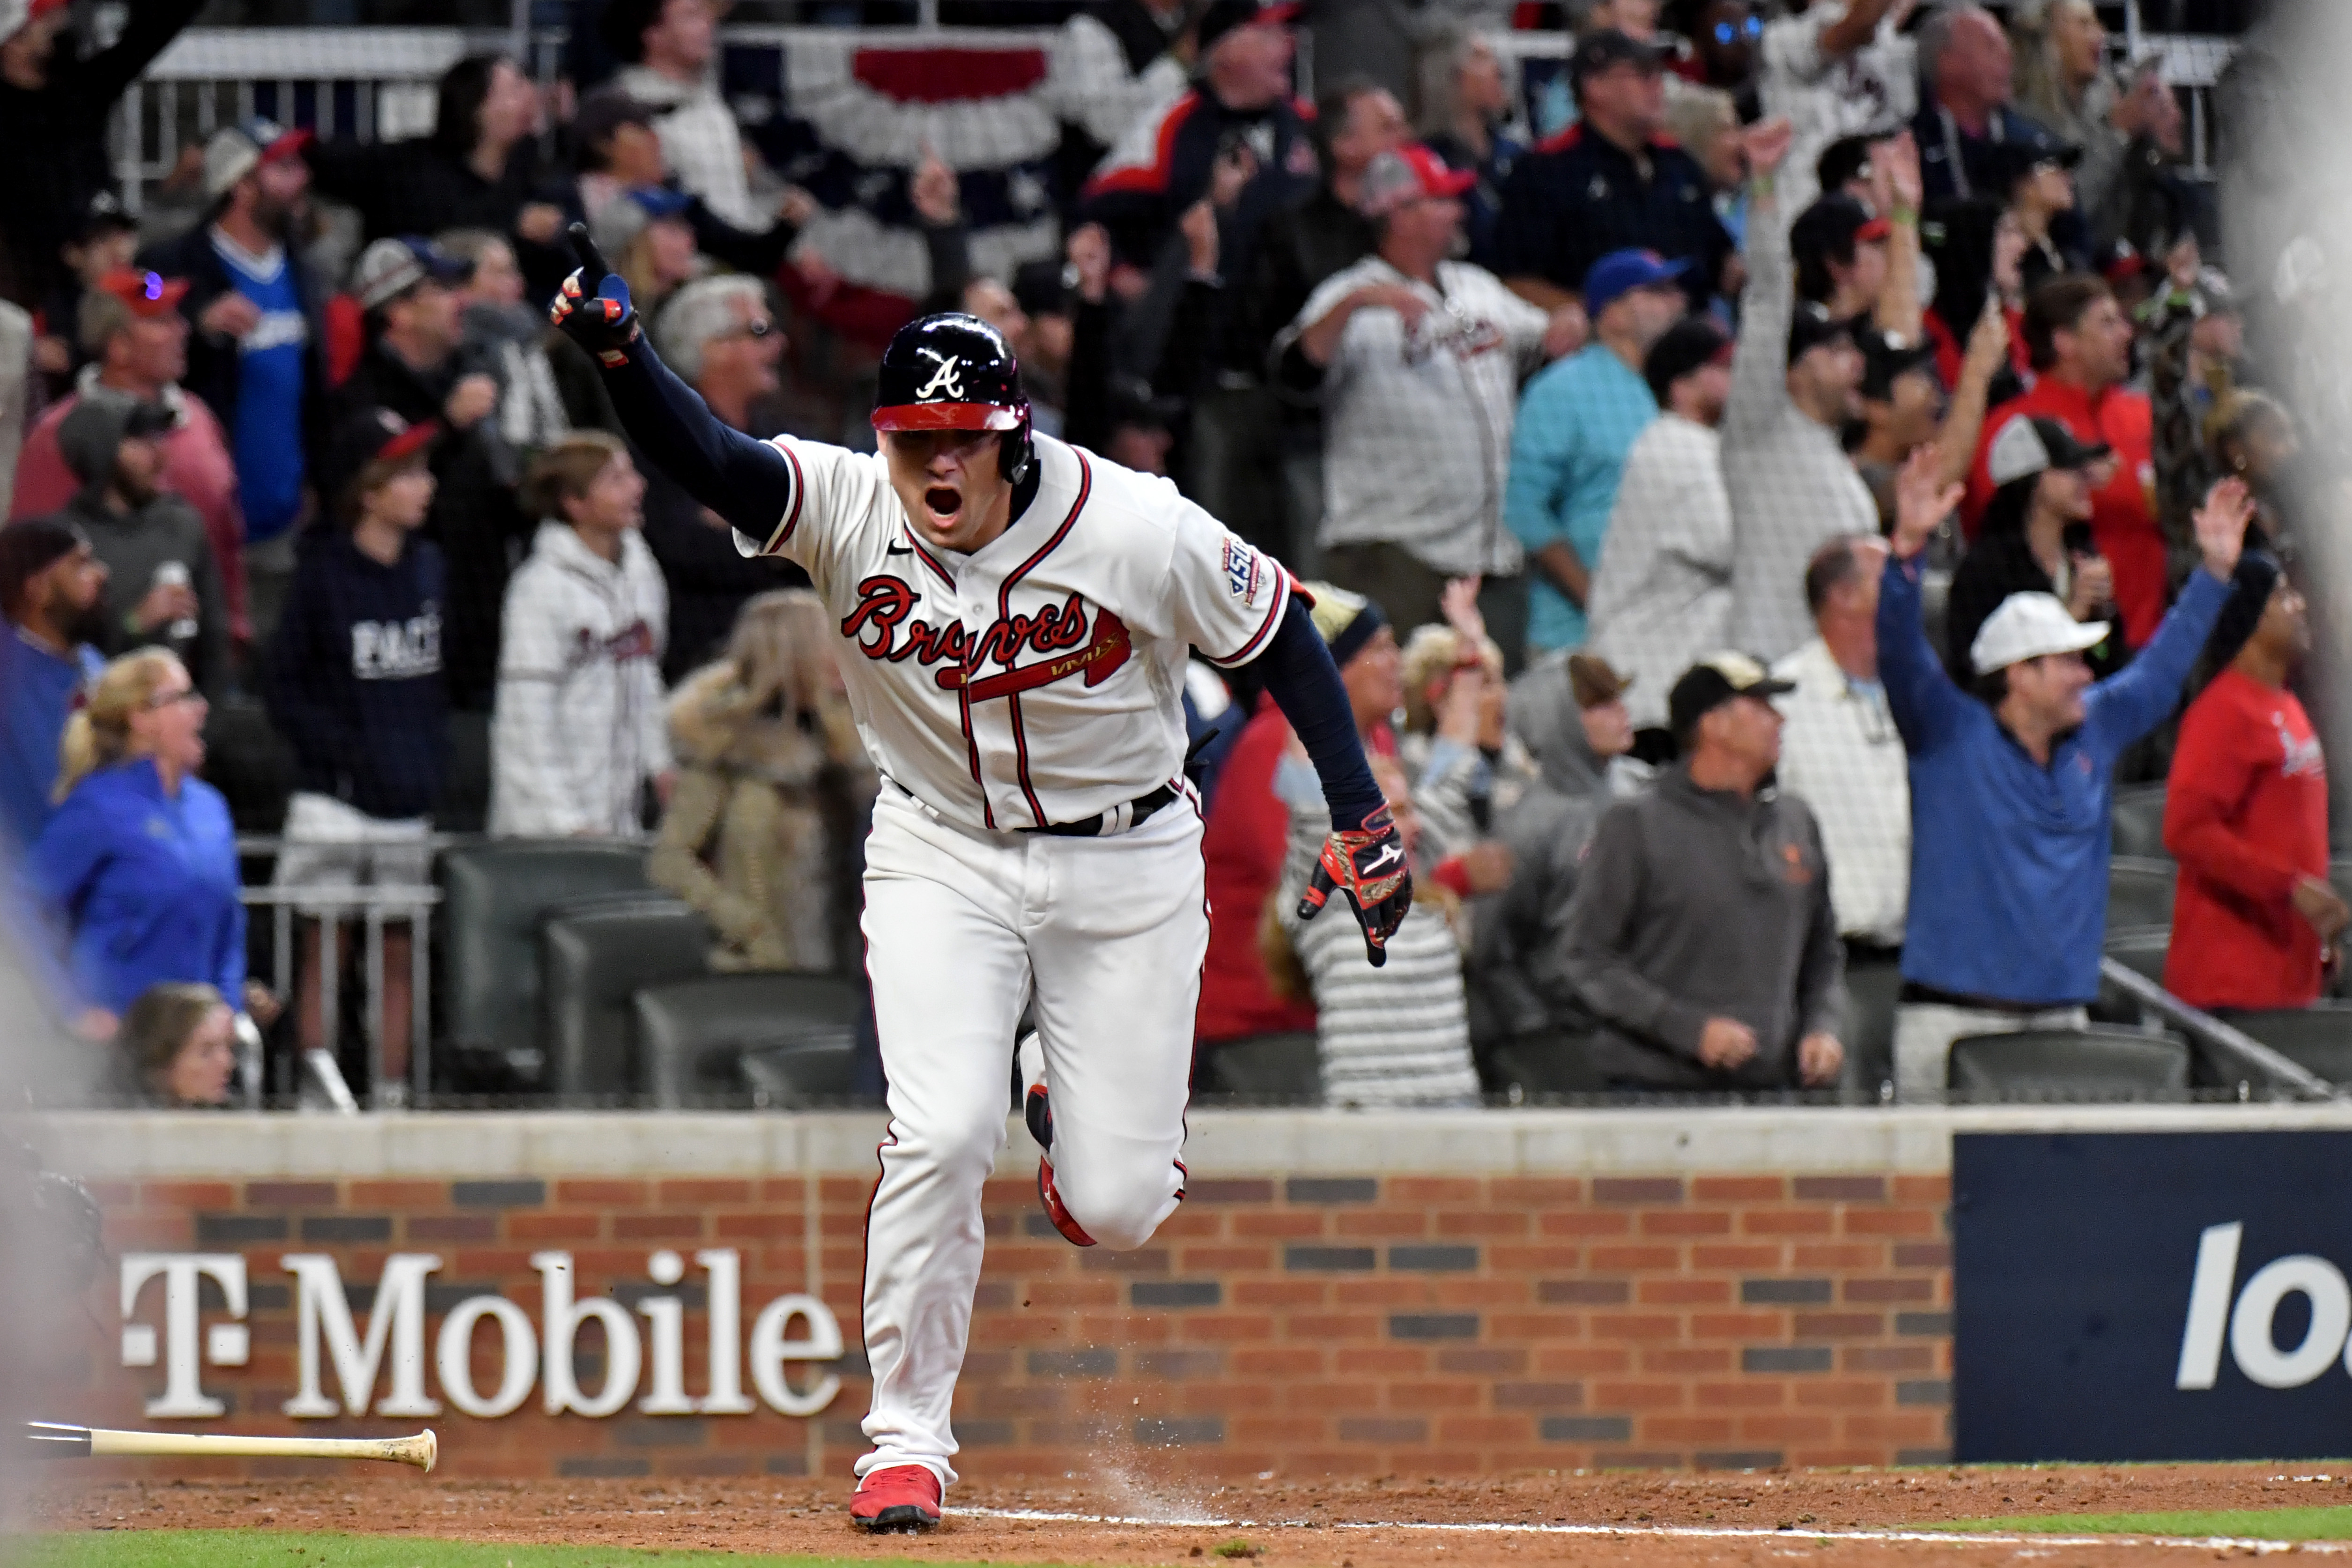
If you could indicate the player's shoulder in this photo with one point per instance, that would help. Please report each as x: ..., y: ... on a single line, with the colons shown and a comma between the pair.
x: 1145, y: 506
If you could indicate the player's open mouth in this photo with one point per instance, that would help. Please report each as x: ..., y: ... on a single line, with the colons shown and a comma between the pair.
x: 943, y: 501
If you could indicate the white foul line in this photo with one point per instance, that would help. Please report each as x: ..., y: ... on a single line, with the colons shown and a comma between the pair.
x: 1675, y: 1531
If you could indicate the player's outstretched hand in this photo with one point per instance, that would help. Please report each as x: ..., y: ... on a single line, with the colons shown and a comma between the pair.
x: 598, y: 316
x: 1370, y: 867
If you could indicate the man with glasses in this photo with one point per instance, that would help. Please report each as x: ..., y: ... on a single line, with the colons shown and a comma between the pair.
x: 717, y: 334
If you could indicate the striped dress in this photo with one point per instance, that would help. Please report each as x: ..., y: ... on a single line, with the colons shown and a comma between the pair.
x: 1398, y: 1035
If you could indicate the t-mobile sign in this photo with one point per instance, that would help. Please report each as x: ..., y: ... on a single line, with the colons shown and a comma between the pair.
x: 2151, y: 1296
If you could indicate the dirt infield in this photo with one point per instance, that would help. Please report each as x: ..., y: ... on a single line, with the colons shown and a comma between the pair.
x: 1649, y: 1520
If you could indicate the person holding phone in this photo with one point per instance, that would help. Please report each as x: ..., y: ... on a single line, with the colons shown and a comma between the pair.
x: 2036, y: 539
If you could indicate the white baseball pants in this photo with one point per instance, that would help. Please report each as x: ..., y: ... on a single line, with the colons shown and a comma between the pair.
x: 963, y: 928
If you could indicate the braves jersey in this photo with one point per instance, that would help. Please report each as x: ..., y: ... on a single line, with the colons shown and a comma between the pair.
x: 1037, y: 679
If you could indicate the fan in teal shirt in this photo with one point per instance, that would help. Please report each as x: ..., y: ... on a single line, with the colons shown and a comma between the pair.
x: 1576, y: 423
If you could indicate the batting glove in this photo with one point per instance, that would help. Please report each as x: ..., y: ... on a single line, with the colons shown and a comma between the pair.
x: 602, y: 322
x: 1368, y: 865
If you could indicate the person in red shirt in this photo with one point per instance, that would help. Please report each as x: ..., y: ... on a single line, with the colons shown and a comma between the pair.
x: 2080, y: 341
x: 1249, y: 830
x: 2255, y: 920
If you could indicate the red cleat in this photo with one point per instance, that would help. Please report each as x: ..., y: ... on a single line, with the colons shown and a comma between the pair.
x: 1072, y: 1232
x: 901, y: 1497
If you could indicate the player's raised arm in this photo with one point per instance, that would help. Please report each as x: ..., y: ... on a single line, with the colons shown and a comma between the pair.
x: 749, y: 482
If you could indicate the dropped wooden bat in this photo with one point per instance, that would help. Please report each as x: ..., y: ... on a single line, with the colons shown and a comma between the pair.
x: 51, y: 1439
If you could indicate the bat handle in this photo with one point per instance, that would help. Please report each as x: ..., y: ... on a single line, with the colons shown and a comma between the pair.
x: 592, y: 260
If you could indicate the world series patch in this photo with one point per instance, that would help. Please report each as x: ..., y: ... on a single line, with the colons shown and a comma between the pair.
x: 1244, y: 570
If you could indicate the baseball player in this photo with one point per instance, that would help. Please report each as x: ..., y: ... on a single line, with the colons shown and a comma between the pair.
x: 1016, y: 614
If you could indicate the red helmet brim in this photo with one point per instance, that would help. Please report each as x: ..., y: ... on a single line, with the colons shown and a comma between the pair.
x: 946, y: 416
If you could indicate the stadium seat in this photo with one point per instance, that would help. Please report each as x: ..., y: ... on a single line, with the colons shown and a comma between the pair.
x: 2069, y: 1064
x: 595, y: 958
x: 494, y: 897
x: 2142, y: 950
x: 1867, y: 1032
x: 2318, y: 1038
x: 814, y: 1070
x: 1269, y: 1069
x: 1549, y: 1064
x: 693, y: 1036
x: 2139, y: 822
x: 2140, y: 893
x: 465, y: 794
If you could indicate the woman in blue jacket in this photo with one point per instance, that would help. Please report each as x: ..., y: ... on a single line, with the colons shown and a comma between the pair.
x: 139, y: 865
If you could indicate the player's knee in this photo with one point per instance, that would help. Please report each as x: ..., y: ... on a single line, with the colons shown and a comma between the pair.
x: 1119, y: 1209
x: 962, y: 1149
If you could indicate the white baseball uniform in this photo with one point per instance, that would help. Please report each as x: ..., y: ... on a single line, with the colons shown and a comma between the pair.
x: 1037, y: 680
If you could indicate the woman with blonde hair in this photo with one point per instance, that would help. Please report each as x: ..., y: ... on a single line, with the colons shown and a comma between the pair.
x: 1466, y: 98
x: 139, y: 868
x: 764, y: 830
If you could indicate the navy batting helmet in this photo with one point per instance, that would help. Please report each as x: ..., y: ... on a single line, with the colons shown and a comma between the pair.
x: 954, y: 372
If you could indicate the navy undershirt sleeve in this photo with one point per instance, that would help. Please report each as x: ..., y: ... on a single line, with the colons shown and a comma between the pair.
x: 1306, y: 686
x: 746, y: 481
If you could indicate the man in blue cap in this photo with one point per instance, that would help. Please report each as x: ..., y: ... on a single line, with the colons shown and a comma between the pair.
x: 1576, y: 423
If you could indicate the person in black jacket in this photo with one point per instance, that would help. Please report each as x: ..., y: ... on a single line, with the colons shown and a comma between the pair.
x: 479, y: 169
x: 416, y: 366
x: 55, y: 110
x: 2036, y: 539
x: 355, y: 687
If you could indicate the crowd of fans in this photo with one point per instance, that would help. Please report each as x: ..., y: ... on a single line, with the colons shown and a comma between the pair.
x: 1814, y: 466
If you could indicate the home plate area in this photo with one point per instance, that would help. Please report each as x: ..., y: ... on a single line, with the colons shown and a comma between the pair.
x: 2065, y: 1514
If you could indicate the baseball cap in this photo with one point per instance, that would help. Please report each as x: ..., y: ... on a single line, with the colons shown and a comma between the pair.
x: 604, y: 111
x: 150, y: 295
x: 626, y: 215
x: 30, y: 547
x: 1714, y: 681
x: 16, y: 15
x: 236, y: 151
x: 1887, y: 359
x: 391, y: 267
x: 1692, y: 341
x: 370, y: 435
x: 1598, y: 50
x: 1409, y: 173
x: 1225, y: 16
x: 1621, y: 271
x: 1347, y: 621
x: 2027, y: 445
x: 104, y: 213
x: 1833, y: 226
x: 1811, y: 325
x: 2012, y: 160
x: 2031, y: 626
x: 1593, y: 680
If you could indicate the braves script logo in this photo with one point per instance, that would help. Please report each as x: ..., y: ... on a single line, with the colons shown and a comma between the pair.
x: 948, y: 377
x: 1056, y: 633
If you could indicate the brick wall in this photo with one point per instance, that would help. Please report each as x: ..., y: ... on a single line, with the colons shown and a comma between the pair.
x: 1305, y: 1324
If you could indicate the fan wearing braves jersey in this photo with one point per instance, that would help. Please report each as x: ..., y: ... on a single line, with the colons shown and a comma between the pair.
x: 1015, y: 614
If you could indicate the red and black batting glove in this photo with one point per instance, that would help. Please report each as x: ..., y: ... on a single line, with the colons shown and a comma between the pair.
x: 601, y: 320
x: 1368, y: 865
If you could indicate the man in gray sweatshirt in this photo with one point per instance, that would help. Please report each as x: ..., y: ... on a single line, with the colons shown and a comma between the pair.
x: 1701, y: 934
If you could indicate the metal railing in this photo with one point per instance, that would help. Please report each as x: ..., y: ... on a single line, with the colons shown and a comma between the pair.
x: 371, y: 909
x: 377, y: 83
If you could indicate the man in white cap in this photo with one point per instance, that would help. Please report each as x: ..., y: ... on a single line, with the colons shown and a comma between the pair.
x: 2011, y: 788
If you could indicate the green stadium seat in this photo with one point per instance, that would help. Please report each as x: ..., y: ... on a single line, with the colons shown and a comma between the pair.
x: 2140, y: 893
x: 2139, y: 822
x: 595, y: 957
x: 695, y: 1038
